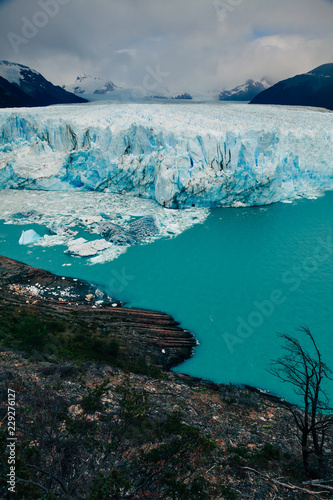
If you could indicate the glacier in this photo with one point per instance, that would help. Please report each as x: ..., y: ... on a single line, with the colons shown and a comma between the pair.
x: 180, y: 155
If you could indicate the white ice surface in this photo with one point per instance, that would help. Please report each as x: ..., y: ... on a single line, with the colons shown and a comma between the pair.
x: 177, y: 154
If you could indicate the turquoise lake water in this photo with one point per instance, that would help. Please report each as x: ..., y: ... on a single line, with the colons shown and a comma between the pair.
x: 234, y: 281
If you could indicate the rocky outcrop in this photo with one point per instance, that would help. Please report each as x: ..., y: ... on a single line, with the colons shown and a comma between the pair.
x: 154, y: 335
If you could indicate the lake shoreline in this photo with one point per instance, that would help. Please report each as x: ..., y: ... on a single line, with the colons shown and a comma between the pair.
x: 154, y: 335
x: 243, y: 427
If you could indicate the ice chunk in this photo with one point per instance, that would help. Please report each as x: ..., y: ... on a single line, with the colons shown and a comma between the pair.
x: 68, y: 210
x: 77, y: 242
x: 139, y: 230
x: 116, y: 234
x: 84, y: 248
x: 58, y: 228
x: 28, y: 237
x: 50, y: 241
x: 145, y: 227
x: 100, y: 245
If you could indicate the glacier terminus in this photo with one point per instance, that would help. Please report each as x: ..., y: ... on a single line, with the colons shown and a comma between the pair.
x: 180, y: 155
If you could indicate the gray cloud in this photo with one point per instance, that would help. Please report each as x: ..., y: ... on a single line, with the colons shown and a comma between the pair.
x: 201, y: 44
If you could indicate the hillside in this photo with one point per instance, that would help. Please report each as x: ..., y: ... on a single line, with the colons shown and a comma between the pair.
x: 314, y: 88
x: 22, y: 86
x: 97, y: 417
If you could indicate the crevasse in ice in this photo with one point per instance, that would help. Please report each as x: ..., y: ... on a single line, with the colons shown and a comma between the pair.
x: 201, y: 155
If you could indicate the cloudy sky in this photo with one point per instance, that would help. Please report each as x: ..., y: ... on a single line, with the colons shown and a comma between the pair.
x: 190, y: 44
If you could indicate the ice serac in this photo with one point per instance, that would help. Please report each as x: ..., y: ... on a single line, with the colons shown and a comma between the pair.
x: 202, y: 155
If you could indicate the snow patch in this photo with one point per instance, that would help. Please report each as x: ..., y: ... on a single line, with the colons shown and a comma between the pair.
x: 12, y: 72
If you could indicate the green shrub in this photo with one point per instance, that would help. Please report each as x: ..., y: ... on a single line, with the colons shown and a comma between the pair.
x: 227, y: 493
x: 271, y: 452
x: 178, y: 489
x: 110, y: 486
x: 92, y: 401
x: 134, y: 404
x: 30, y: 333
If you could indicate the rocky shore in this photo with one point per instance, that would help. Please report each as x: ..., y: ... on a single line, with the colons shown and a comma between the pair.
x: 155, y: 335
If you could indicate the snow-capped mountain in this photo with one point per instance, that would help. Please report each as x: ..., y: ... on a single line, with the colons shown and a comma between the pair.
x: 95, y: 88
x: 23, y: 86
x: 91, y: 85
x: 314, y: 88
x: 245, y: 92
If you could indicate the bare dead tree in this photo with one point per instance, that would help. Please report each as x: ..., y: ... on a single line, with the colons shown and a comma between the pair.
x: 314, y: 417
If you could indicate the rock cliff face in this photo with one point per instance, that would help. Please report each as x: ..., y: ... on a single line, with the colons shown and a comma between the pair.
x: 154, y: 335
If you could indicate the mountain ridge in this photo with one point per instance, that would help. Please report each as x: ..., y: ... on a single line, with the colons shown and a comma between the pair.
x: 91, y: 85
x: 21, y: 86
x: 245, y: 92
x: 314, y: 88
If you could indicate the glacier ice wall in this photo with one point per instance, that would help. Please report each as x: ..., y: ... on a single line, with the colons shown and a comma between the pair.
x: 180, y: 155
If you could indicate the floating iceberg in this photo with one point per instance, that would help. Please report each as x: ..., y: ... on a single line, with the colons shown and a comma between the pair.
x: 145, y: 227
x: 94, y: 213
x: 84, y: 248
x: 201, y: 155
x: 28, y: 237
x: 140, y: 230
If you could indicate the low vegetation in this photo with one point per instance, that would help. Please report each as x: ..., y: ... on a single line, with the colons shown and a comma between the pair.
x: 43, y: 337
x: 96, y: 421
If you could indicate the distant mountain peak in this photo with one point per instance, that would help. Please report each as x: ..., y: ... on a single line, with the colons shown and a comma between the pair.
x: 23, y: 86
x: 245, y: 92
x: 89, y: 85
x: 15, y: 72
